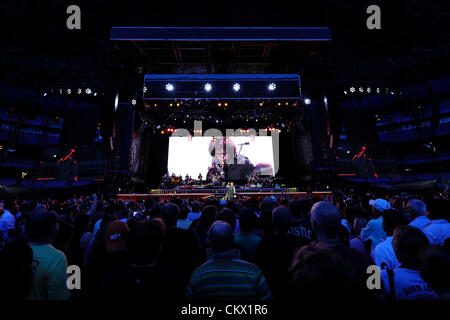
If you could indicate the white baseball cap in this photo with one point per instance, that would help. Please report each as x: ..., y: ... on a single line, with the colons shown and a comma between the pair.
x: 380, y: 204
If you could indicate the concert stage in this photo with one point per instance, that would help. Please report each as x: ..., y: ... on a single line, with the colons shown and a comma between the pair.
x: 256, y: 193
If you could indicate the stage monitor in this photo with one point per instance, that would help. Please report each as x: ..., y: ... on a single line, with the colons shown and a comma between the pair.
x: 235, y: 158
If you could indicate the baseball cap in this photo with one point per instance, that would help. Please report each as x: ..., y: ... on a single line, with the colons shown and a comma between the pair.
x: 116, y: 236
x: 42, y: 222
x: 380, y: 204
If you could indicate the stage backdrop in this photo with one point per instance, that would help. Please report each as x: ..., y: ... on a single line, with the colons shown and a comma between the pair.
x: 191, y: 156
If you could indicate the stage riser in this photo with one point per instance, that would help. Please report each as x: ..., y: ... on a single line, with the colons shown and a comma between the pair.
x: 203, y: 195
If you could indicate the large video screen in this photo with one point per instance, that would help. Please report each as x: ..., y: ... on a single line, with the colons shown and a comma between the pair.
x: 197, y: 155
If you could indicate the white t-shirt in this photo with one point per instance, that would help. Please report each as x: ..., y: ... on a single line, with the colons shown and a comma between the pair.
x: 409, y: 285
x: 374, y: 231
x: 420, y: 222
x: 384, y: 254
x: 7, y: 222
x: 437, y: 231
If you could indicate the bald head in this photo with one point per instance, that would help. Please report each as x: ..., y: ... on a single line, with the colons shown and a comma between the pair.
x: 326, y: 218
x: 221, y: 236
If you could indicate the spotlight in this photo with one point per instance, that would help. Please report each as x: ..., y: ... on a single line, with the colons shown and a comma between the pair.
x: 145, y: 89
x: 352, y: 89
x: 116, y: 101
x: 226, y: 104
x: 133, y: 102
x: 45, y: 94
x: 219, y: 104
x: 378, y: 90
x: 236, y: 87
x: 95, y: 94
x: 307, y: 101
x: 345, y: 92
x: 272, y: 86
x: 88, y: 91
x: 79, y: 91
x: 208, y: 87
x: 369, y: 90
x: 260, y: 104
x: 69, y: 91
x: 279, y: 103
x: 169, y: 87
x: 361, y: 89
x: 178, y: 104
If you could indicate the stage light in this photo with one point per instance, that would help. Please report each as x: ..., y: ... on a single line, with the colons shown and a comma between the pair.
x: 88, y: 91
x: 169, y: 87
x: 79, y: 91
x: 325, y: 100
x: 162, y: 131
x: 155, y: 105
x: 272, y: 86
x: 158, y: 127
x: 352, y: 89
x: 116, y: 102
x: 361, y: 89
x: 133, y: 102
x: 171, y: 105
x: 307, y: 101
x: 145, y: 89
x: 178, y: 104
x: 45, y: 94
x: 208, y: 87
x: 217, y: 121
x: 378, y: 90
x: 226, y: 104
x: 260, y: 104
x: 95, y: 94
x: 279, y: 103
x: 219, y: 104
x: 369, y: 90
x: 392, y: 92
x: 236, y: 87
x: 69, y: 91
x: 287, y: 103
x: 345, y: 92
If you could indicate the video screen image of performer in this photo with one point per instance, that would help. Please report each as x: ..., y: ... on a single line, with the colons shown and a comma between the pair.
x: 228, y: 164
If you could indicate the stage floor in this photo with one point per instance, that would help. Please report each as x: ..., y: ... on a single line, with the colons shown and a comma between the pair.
x: 256, y: 193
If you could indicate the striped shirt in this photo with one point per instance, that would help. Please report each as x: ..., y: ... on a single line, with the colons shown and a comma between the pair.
x: 223, y: 278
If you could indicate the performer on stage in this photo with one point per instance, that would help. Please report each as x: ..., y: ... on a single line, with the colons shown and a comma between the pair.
x: 230, y: 192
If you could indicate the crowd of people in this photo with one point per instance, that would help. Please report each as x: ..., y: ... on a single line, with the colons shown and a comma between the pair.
x: 271, y: 249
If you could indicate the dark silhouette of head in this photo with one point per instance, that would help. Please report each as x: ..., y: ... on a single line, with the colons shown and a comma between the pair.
x: 221, y: 236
